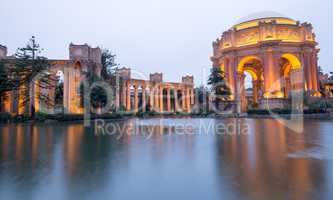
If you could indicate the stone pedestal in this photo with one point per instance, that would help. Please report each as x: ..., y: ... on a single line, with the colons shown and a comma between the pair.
x: 272, y: 103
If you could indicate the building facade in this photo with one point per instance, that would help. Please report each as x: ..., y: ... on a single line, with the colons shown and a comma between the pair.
x: 133, y: 95
x: 138, y: 95
x: 279, y: 53
x: 82, y: 58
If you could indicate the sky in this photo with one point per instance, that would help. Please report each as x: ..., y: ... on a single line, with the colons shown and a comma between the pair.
x: 169, y: 36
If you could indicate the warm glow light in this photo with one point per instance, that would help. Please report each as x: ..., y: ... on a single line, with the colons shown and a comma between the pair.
x: 255, y: 23
x: 287, y: 70
x: 21, y: 103
x: 222, y: 67
x: 246, y: 25
x: 246, y: 59
x: 294, y: 61
x: 7, y: 102
x: 278, y: 94
x: 252, y: 73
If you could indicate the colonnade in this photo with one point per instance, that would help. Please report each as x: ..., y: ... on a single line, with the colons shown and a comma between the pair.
x: 140, y: 95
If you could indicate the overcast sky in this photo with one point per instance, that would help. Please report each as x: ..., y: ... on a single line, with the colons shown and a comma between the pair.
x: 169, y: 36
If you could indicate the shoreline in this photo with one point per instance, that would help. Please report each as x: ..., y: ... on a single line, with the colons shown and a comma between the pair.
x: 50, y: 119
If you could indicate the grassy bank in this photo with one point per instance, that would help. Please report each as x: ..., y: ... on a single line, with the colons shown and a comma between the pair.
x: 42, y: 117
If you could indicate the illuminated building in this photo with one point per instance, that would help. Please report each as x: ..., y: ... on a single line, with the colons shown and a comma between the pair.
x: 279, y: 53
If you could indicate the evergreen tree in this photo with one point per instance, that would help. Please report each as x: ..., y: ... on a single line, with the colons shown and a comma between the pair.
x: 219, y: 86
x: 202, y: 95
x: 98, y: 95
x: 108, y: 64
x: 18, y: 73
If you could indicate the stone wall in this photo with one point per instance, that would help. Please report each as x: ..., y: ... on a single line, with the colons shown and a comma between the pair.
x: 156, y: 77
x: 85, y: 53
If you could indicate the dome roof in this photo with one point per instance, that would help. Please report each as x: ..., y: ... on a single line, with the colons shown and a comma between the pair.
x: 261, y: 15
x: 267, y: 16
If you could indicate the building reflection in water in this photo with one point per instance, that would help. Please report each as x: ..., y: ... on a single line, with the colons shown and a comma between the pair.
x: 70, y: 161
x: 260, y: 163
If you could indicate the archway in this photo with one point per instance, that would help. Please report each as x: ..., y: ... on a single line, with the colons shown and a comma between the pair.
x: 74, y: 99
x: 249, y: 80
x: 291, y: 73
x: 222, y: 67
x: 59, y: 92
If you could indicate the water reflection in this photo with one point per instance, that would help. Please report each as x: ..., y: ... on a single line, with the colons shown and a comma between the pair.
x: 157, y: 158
x: 260, y: 165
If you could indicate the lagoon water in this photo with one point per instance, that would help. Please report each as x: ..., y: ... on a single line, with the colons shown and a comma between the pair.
x: 170, y: 158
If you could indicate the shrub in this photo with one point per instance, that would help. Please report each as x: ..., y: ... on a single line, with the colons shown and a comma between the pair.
x: 5, y: 117
x: 21, y: 118
x: 321, y: 105
x: 268, y: 112
x: 40, y: 116
x: 314, y: 111
x: 258, y: 112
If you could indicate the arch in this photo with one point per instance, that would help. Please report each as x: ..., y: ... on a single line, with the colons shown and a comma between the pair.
x: 243, y: 61
x: 241, y: 66
x: 286, y: 69
x: 251, y: 64
x: 294, y: 61
x: 222, y: 67
x: 77, y: 65
x: 290, y: 63
x: 252, y: 72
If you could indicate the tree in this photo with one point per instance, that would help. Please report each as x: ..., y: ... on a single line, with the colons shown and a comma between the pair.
x: 202, y: 94
x: 320, y: 70
x: 59, y: 94
x: 330, y: 76
x: 98, y: 95
x: 18, y: 73
x: 219, y: 86
x: 108, y: 64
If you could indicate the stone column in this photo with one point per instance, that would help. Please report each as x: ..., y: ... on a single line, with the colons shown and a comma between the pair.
x: 272, y: 83
x: 255, y: 84
x: 75, y: 98
x: 192, y: 96
x: 314, y: 73
x: 128, y: 96
x: 232, y: 69
x: 287, y: 86
x: 161, y: 99
x: 175, y: 94
x: 183, y: 100
x: 143, y: 98
x: 296, y: 80
x: 51, y: 93
x: 307, y: 69
x: 7, y: 101
x: 151, y: 99
x: 123, y: 99
x: 37, y: 92
x: 168, y: 100
x: 66, y: 91
x: 136, y: 98
x: 71, y: 91
x: 243, y: 93
x: 239, y: 88
x: 188, y: 100
x: 156, y: 100
x: 117, y: 100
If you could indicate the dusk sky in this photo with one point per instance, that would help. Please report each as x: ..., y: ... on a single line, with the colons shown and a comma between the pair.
x: 169, y: 36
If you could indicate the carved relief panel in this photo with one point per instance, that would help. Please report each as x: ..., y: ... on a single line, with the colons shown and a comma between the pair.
x: 246, y: 37
x: 267, y: 31
x: 288, y: 33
